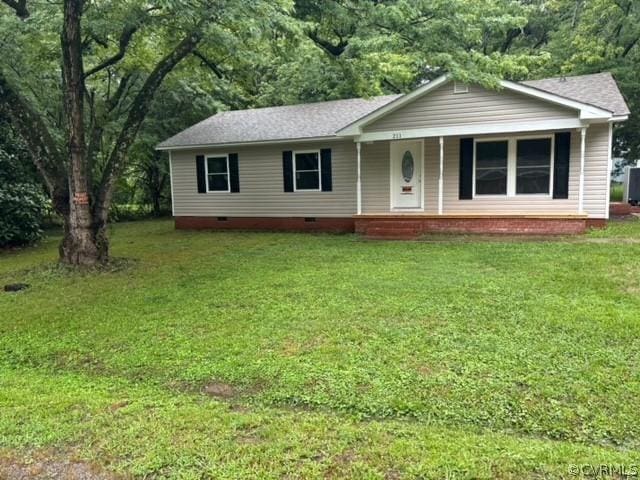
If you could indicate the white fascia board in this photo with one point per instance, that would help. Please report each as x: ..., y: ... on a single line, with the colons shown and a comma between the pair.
x: 587, y: 112
x: 249, y: 144
x: 356, y: 127
x: 480, y: 129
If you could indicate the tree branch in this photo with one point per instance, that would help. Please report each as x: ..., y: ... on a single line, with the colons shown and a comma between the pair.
x: 630, y: 46
x: 137, y: 114
x: 125, y: 39
x: 208, y: 63
x: 327, y: 46
x: 512, y: 34
x: 112, y: 102
x: 45, y: 154
x: 20, y: 7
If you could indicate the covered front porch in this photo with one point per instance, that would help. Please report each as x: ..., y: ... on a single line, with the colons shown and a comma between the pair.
x: 451, y: 157
x: 478, y: 184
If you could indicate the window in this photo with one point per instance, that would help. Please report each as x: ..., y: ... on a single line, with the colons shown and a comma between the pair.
x: 218, y: 174
x: 307, y: 170
x: 492, y: 167
x: 514, y: 166
x: 533, y: 167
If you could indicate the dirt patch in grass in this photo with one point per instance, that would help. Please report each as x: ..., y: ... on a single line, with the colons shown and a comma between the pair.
x: 118, y: 405
x: 50, y: 466
x: 220, y: 390
x: 340, y: 464
x: 217, y: 389
x: 52, y: 270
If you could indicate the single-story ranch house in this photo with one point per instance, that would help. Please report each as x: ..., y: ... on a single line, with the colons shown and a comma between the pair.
x: 530, y: 157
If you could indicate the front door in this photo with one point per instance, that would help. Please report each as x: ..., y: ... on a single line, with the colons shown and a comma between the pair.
x: 406, y: 174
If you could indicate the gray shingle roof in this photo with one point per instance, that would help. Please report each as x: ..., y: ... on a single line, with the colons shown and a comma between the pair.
x: 309, y: 120
x: 598, y: 89
x: 324, y: 119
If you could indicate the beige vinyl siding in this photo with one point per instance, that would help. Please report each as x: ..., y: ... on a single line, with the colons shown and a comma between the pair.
x: 441, y: 108
x: 376, y: 199
x: 596, y: 170
x: 375, y: 179
x: 262, y: 193
x: 261, y: 184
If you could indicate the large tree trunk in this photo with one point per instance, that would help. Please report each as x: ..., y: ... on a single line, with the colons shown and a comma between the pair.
x: 67, y: 174
x: 80, y: 245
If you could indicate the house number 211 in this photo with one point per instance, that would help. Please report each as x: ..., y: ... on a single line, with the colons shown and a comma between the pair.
x: 396, y: 136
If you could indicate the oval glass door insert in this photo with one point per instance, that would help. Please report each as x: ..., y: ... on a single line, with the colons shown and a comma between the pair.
x: 407, y: 166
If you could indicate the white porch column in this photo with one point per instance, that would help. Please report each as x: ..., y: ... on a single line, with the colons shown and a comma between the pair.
x: 441, y: 178
x: 358, y: 183
x: 583, y: 135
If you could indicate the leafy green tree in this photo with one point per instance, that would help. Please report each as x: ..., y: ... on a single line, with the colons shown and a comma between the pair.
x: 22, y: 199
x: 604, y: 35
x: 78, y: 83
x: 375, y: 47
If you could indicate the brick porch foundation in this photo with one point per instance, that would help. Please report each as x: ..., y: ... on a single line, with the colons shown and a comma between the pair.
x: 402, y: 226
x: 412, y: 226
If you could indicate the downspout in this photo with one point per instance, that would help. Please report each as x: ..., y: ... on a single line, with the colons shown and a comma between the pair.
x: 441, y: 178
x: 358, y: 183
x: 173, y: 202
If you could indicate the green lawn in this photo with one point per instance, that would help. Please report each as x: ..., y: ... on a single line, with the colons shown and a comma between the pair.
x: 266, y: 355
x: 617, y: 192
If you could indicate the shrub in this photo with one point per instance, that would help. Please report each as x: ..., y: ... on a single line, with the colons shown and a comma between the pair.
x: 23, y: 206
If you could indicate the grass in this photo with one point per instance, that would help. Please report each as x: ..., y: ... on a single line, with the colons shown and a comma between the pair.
x: 617, y: 192
x: 266, y: 355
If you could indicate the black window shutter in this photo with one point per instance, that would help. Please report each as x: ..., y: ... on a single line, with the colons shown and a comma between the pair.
x: 202, y: 180
x: 562, y: 152
x: 287, y: 170
x: 234, y: 178
x: 325, y: 166
x: 465, y: 189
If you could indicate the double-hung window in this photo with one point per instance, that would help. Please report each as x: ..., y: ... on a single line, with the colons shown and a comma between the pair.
x: 307, y: 168
x: 516, y: 166
x: 533, y: 165
x: 492, y: 167
x: 217, y: 173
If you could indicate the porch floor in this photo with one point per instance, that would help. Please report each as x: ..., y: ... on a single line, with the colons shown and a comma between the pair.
x: 415, y: 214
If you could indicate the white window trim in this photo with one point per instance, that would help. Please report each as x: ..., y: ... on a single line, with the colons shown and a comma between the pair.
x: 206, y: 172
x: 295, y: 171
x: 512, y: 162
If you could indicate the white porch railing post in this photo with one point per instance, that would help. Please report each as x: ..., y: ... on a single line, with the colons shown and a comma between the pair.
x: 583, y: 135
x: 358, y: 183
x: 441, y: 178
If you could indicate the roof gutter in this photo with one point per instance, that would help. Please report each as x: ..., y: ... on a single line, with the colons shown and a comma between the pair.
x: 618, y: 118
